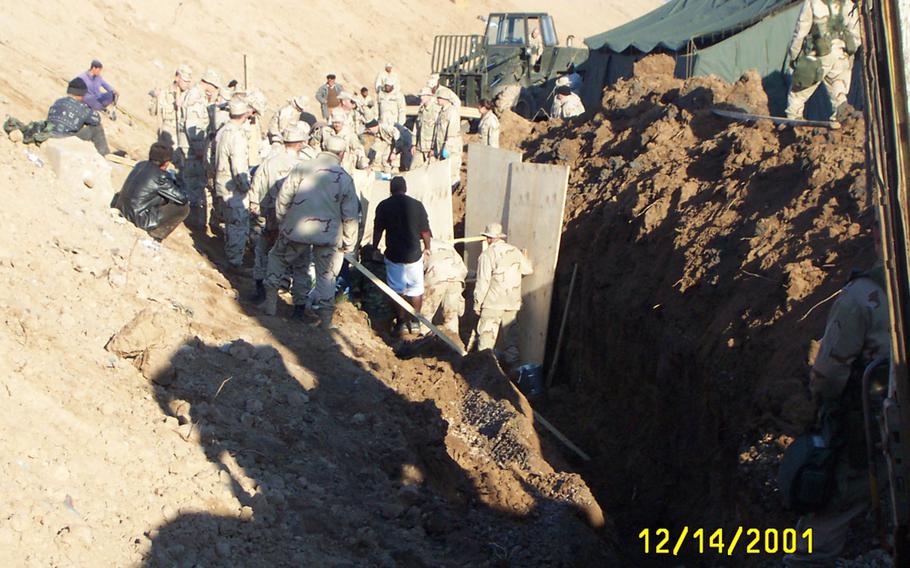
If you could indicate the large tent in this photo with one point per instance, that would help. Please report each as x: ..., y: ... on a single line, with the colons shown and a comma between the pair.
x: 709, y: 37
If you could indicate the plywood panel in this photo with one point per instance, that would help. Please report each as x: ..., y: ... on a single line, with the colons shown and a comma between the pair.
x: 429, y: 185
x: 487, y: 199
x: 537, y: 200
x: 364, y: 183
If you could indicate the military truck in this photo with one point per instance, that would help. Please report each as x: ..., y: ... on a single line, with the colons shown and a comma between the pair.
x: 505, y: 65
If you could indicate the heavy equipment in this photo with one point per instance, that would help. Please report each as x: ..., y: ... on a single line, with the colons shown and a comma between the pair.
x: 505, y: 65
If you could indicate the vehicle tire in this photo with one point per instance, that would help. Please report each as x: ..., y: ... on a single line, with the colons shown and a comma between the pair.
x: 507, y: 98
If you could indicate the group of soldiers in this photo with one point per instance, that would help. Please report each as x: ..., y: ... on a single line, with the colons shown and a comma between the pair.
x: 284, y: 189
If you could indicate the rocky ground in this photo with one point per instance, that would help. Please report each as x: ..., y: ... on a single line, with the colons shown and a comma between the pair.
x: 151, y: 418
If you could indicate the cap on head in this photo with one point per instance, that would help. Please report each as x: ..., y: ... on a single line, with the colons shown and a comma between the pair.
x: 447, y: 94
x: 493, y: 231
x: 562, y: 81
x: 257, y: 101
x: 398, y: 185
x: 346, y: 96
x: 184, y: 72
x: 371, y: 124
x: 298, y: 132
x: 301, y: 101
x: 563, y: 90
x: 212, y: 78
x: 76, y: 87
x: 334, y: 145
x: 96, y: 64
x: 388, y: 66
x: 389, y: 131
x: 238, y: 106
x: 160, y: 153
x: 337, y: 116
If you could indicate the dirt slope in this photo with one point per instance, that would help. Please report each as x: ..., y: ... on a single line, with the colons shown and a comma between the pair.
x: 703, y: 248
x: 291, y: 46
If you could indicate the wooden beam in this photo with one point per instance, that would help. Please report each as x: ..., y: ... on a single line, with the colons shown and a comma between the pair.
x: 401, y: 302
x: 562, y: 328
x: 468, y: 240
x: 552, y: 429
x: 746, y: 117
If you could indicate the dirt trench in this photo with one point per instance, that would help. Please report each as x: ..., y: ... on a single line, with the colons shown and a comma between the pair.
x: 706, y: 250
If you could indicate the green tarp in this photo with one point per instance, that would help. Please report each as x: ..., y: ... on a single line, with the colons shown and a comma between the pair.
x: 678, y: 22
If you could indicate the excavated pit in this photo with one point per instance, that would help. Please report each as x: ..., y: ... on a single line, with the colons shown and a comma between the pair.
x: 704, y: 249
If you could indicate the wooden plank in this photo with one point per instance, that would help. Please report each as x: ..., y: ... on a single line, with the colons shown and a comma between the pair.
x: 746, y: 117
x: 364, y: 183
x: 401, y: 302
x: 487, y: 199
x: 430, y: 186
x: 562, y: 329
x: 537, y: 199
x: 465, y: 112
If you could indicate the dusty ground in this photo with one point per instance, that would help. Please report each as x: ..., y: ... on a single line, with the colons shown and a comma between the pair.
x: 703, y: 248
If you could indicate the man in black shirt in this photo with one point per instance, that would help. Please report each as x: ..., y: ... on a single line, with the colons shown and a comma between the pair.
x: 405, y: 223
x: 150, y: 199
x: 70, y: 116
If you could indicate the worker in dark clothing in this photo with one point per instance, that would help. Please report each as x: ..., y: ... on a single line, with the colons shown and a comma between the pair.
x: 70, y: 116
x: 150, y: 198
x: 405, y: 223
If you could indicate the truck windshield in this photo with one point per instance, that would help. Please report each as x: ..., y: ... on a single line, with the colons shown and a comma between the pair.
x: 548, y: 30
x: 506, y: 30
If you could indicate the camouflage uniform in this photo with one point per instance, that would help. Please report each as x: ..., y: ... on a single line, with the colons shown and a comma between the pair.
x: 393, y: 139
x: 218, y: 117
x: 497, y: 296
x: 489, y: 129
x: 424, y: 130
x: 857, y: 329
x: 366, y: 107
x: 354, y: 152
x: 195, y: 121
x: 317, y: 209
x: 165, y: 107
x: 232, y: 183
x: 389, y: 77
x: 447, y: 136
x: 286, y: 116
x: 443, y: 280
x: 392, y: 107
x: 262, y: 193
x: 569, y: 107
x: 837, y: 66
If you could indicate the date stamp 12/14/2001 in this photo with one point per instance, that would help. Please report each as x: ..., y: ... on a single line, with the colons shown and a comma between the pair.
x: 728, y: 542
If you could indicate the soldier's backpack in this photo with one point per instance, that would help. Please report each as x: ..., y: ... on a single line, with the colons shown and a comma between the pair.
x: 807, y: 71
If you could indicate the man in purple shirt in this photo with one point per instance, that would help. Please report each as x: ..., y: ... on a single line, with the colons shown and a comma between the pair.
x: 94, y: 82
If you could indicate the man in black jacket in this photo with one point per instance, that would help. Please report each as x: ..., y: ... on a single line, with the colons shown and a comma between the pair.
x: 150, y: 198
x: 70, y: 116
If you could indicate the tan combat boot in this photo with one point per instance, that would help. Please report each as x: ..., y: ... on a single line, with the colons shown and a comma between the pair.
x: 270, y: 305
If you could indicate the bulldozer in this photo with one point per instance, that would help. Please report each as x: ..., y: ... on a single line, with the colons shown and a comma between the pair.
x: 504, y: 65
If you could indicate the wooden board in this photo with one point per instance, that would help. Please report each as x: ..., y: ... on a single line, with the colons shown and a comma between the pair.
x: 364, y: 182
x: 463, y: 111
x: 404, y: 304
x: 488, y: 193
x: 537, y: 200
x: 746, y: 117
x: 429, y: 185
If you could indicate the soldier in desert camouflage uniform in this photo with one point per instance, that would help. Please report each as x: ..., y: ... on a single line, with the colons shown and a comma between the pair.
x: 232, y: 181
x: 424, y: 127
x: 166, y: 107
x: 488, y: 129
x: 497, y: 293
x: 566, y: 104
x: 259, y: 106
x: 443, y: 280
x: 317, y: 210
x: 391, y: 103
x: 194, y: 121
x: 287, y: 116
x: 447, y: 142
x: 828, y: 32
x: 216, y: 107
x: 269, y: 176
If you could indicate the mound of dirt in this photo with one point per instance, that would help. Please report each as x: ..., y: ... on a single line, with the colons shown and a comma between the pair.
x: 704, y: 248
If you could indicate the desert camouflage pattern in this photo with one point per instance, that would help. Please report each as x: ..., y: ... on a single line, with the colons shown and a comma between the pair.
x: 443, y: 279
x: 318, y: 205
x: 392, y: 107
x: 425, y: 126
x: 499, y: 272
x: 232, y: 183
x: 446, y: 295
x: 447, y: 136
x: 499, y: 325
x: 489, y: 129
x: 569, y: 107
x: 164, y: 106
x: 195, y: 123
x: 289, y: 257
x: 384, y: 76
x: 366, y: 107
x: 264, y: 189
x: 837, y: 66
x: 355, y: 150
x: 285, y: 117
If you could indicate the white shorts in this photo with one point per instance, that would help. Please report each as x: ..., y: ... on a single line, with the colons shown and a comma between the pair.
x: 406, y: 279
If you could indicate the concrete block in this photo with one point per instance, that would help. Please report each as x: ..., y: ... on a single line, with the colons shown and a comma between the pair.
x: 78, y: 164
